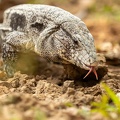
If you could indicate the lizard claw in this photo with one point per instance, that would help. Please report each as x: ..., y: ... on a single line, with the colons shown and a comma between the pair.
x: 9, y: 69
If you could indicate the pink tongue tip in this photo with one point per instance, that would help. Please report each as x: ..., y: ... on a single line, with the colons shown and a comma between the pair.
x: 92, y: 69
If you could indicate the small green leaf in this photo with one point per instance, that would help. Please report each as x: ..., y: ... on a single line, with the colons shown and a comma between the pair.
x: 39, y: 115
x: 112, y: 95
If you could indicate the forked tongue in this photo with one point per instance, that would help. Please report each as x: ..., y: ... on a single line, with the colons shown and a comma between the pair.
x: 92, y: 69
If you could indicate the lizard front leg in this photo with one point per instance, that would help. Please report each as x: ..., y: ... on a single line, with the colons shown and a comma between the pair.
x: 9, y: 56
x: 13, y: 44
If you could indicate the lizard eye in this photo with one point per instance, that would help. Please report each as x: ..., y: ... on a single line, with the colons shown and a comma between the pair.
x: 77, y: 44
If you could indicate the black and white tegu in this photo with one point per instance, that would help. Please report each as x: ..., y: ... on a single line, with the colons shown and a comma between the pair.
x: 49, y: 31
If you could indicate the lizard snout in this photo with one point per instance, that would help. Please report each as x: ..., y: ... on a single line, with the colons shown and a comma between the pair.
x: 94, y: 64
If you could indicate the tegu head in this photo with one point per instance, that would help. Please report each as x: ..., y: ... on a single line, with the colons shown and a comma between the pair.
x: 81, y: 52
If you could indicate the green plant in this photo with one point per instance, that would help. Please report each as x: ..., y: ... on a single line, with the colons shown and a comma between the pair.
x: 39, y: 115
x: 109, y: 110
x: 47, y: 1
x: 68, y: 104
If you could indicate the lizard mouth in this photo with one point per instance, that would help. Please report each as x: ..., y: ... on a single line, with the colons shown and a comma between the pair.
x: 92, y: 69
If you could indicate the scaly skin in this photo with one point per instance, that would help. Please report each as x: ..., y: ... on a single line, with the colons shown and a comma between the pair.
x: 51, y: 32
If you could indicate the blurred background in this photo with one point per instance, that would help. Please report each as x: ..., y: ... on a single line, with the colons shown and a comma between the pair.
x: 102, y: 18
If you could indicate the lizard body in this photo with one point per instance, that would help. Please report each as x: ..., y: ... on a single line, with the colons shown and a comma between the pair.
x: 49, y: 31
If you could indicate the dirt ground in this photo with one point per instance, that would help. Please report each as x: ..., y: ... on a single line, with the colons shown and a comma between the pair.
x: 47, y: 94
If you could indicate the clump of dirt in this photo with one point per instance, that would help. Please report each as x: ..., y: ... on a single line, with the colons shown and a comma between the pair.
x: 24, y: 95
